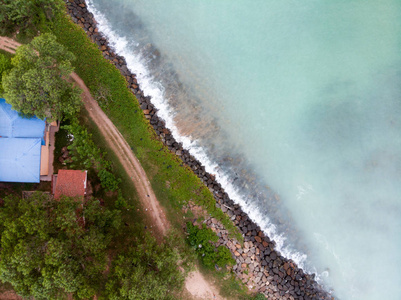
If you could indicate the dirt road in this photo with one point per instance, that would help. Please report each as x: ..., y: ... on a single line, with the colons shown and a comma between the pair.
x: 195, y: 283
x: 127, y: 158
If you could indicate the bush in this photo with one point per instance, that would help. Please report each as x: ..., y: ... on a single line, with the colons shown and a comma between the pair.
x: 108, y: 180
x: 5, y: 64
x: 120, y: 202
x: 28, y: 16
x: 201, y: 240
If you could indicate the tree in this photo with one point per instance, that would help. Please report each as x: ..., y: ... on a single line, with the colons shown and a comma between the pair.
x: 47, y: 252
x: 146, y: 271
x: 37, y: 84
x: 27, y: 14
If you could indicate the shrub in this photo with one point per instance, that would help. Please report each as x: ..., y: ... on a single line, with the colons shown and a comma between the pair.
x: 5, y: 64
x: 201, y: 239
x: 108, y: 180
x: 83, y: 149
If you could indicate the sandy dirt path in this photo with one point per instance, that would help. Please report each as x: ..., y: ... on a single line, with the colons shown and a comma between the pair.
x: 127, y: 158
x: 195, y: 284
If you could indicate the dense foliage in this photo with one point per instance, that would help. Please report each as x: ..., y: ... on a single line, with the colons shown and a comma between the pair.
x: 87, y: 154
x: 37, y: 84
x: 201, y: 239
x: 5, y: 64
x: 27, y: 15
x: 49, y: 248
x: 147, y: 271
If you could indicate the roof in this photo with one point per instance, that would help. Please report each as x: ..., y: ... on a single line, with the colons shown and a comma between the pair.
x: 70, y: 183
x: 12, y: 125
x: 20, y: 146
x: 20, y: 160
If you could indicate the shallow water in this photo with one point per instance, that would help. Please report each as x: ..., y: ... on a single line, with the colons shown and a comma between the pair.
x: 296, y: 107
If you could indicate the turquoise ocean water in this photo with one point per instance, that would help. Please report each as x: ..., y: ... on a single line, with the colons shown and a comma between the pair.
x: 295, y: 106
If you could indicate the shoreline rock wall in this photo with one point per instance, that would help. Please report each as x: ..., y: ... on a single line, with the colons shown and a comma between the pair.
x: 258, y: 264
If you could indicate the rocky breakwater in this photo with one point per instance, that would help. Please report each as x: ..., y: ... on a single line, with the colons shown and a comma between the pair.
x: 258, y: 264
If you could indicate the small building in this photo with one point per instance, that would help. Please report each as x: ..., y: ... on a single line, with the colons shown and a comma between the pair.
x: 26, y: 147
x: 70, y: 183
x: 21, y: 142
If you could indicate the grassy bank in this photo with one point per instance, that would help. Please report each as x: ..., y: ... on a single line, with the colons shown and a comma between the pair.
x: 173, y: 183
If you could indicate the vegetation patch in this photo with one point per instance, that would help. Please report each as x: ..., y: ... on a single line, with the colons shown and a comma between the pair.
x: 201, y: 240
x: 5, y: 65
x: 85, y: 152
x: 149, y: 271
x: 27, y: 18
x: 49, y: 248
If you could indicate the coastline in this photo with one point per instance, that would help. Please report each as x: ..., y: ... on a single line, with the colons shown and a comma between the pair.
x: 275, y: 276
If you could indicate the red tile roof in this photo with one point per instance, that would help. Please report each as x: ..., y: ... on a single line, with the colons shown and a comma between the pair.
x: 70, y: 183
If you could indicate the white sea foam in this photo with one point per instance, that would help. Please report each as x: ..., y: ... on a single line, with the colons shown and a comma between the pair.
x: 137, y: 65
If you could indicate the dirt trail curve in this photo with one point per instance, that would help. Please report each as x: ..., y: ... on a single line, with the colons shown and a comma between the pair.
x: 127, y: 158
x: 196, y: 284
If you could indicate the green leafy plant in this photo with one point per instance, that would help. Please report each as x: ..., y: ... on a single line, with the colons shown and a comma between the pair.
x: 87, y: 154
x: 5, y: 65
x: 201, y: 240
x: 120, y: 202
x: 29, y: 16
x: 83, y: 149
x: 108, y: 180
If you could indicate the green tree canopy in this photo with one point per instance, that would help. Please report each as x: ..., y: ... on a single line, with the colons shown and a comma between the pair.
x: 146, y: 271
x: 27, y: 14
x: 37, y: 84
x: 47, y: 251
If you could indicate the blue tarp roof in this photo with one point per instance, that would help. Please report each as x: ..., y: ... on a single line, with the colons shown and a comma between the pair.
x: 20, y: 146
x: 12, y: 125
x: 20, y: 159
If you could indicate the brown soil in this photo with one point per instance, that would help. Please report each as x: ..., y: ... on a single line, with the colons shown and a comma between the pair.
x: 200, y: 288
x: 9, y: 295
